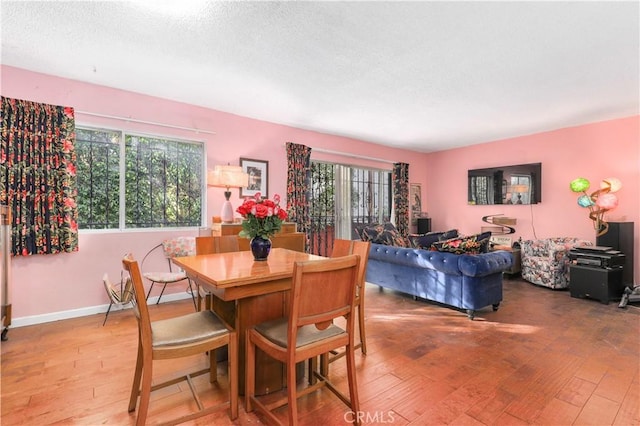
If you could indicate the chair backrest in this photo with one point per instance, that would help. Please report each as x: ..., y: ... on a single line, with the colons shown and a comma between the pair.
x: 342, y: 248
x: 140, y: 302
x: 291, y: 241
x: 179, y: 246
x: 173, y: 247
x: 218, y: 244
x: 361, y: 248
x: 321, y: 291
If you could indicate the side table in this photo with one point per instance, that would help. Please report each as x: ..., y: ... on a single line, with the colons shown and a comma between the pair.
x: 516, y: 267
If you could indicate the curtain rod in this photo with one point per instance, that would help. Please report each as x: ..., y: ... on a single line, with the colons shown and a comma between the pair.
x: 115, y: 117
x: 346, y: 154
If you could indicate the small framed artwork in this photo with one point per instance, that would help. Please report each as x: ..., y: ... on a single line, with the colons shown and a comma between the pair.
x: 415, y: 201
x: 258, y: 172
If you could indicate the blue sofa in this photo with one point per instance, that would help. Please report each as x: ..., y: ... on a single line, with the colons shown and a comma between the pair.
x: 469, y: 282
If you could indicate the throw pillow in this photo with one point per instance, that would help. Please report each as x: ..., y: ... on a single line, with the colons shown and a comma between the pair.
x: 423, y: 241
x: 485, y: 240
x: 383, y: 234
x: 472, y: 244
x: 365, y: 231
x: 447, y: 235
x: 360, y: 229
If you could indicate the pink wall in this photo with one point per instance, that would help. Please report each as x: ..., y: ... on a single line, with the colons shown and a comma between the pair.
x: 594, y: 151
x: 48, y: 284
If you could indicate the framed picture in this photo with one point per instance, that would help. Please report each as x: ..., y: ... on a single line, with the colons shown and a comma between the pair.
x: 258, y: 172
x: 415, y: 201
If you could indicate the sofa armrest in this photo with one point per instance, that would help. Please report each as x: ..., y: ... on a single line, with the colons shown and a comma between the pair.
x: 484, y: 264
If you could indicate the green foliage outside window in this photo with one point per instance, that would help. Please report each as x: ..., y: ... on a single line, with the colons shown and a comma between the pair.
x: 163, y: 181
x: 98, y: 172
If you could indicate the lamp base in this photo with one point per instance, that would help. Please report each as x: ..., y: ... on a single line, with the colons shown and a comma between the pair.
x: 227, y: 212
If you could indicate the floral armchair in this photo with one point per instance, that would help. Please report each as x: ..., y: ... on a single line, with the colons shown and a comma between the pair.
x: 545, y: 261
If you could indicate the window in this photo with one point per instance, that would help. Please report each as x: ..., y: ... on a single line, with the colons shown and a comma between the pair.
x: 134, y: 181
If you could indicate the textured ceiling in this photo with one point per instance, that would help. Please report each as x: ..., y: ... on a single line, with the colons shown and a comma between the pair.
x: 425, y: 76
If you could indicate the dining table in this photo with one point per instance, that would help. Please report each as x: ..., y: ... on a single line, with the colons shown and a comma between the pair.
x: 247, y: 292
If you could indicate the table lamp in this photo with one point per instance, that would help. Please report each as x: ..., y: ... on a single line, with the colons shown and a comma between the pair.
x: 519, y: 189
x: 227, y: 177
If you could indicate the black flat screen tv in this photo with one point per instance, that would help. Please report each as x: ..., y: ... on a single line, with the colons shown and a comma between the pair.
x: 517, y: 184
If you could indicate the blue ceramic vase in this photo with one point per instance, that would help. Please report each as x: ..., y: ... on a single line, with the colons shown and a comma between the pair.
x: 260, y: 247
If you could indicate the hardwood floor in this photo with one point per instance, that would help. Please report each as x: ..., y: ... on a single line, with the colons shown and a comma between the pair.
x: 542, y: 358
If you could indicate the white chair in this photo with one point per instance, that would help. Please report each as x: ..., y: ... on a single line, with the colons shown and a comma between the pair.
x: 171, y: 247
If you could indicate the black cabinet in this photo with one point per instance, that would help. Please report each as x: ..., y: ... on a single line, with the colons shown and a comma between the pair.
x: 424, y: 225
x: 620, y: 237
x: 596, y: 283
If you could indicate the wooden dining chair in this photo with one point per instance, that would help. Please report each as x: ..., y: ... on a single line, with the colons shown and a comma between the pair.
x: 178, y: 337
x: 321, y: 291
x: 210, y: 245
x: 361, y: 248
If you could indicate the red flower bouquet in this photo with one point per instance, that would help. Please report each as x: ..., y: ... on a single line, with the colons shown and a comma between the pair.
x: 262, y: 217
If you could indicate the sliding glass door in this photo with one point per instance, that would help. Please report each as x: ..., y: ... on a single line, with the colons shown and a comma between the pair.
x: 343, y: 197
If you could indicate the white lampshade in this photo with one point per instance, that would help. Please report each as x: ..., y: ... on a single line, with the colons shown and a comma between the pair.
x: 520, y: 188
x: 227, y: 177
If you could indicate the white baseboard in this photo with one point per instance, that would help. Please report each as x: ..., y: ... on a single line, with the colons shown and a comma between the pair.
x: 82, y: 312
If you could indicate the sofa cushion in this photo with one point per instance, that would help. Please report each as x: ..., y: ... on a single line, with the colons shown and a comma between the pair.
x: 472, y: 244
x: 386, y: 234
x: 424, y: 241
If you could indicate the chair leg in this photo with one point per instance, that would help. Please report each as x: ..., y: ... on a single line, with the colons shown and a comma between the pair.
x: 312, y: 367
x: 161, y: 293
x: 213, y: 366
x: 193, y: 296
x: 292, y: 393
x: 145, y: 392
x: 232, y: 364
x: 324, y: 364
x: 107, y: 315
x: 249, y: 372
x: 363, y: 337
x: 351, y: 377
x: 149, y: 292
x: 199, y: 305
x: 135, y: 388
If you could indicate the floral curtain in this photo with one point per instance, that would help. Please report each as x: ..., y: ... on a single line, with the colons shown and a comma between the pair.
x: 400, y: 179
x: 38, y: 176
x: 298, y: 186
